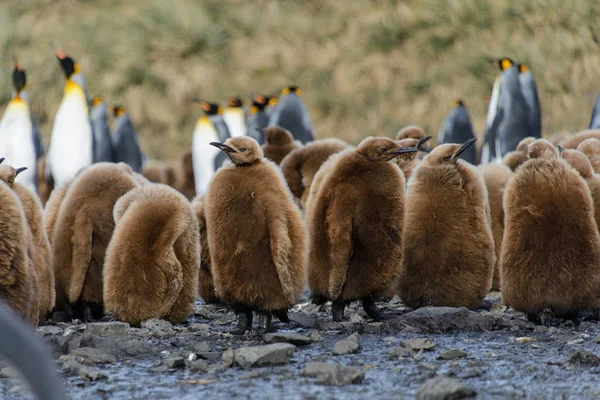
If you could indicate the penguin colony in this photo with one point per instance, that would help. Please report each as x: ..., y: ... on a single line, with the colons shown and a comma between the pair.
x: 257, y: 210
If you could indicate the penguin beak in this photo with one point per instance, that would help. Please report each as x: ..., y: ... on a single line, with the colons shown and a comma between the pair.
x: 422, y: 142
x: 403, y: 150
x: 18, y: 171
x: 493, y: 60
x: 1, y: 160
x: 560, y: 149
x: 223, y: 147
x: 462, y: 148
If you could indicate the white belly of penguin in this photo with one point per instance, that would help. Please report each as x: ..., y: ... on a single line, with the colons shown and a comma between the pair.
x: 71, y: 141
x: 236, y: 122
x: 203, y: 154
x: 16, y: 142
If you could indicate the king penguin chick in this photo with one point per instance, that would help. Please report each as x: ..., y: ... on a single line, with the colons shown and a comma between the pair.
x: 103, y: 148
x: 513, y: 159
x: 446, y: 199
x: 457, y: 128
x: 17, y: 137
x: 151, y: 267
x: 571, y: 142
x: 206, y: 286
x: 38, y: 247
x: 53, y: 206
x: 582, y: 164
x: 72, y: 141
x: 409, y: 161
x: 184, y: 175
x: 154, y: 171
x: 591, y: 148
x: 234, y: 117
x: 355, y: 226
x: 551, y: 246
x: 125, y: 140
x: 83, y: 228
x: 300, y: 166
x: 411, y: 132
x: 258, y: 119
x: 290, y: 113
x: 279, y: 142
x: 496, y: 176
x: 45, y: 185
x: 18, y: 279
x: 256, y: 236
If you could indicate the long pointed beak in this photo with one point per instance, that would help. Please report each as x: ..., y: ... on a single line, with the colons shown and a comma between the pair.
x: 196, y: 99
x: 493, y: 60
x: 464, y: 146
x: 1, y: 160
x: 560, y: 149
x: 223, y: 147
x: 404, y: 150
x: 19, y: 170
x: 422, y: 142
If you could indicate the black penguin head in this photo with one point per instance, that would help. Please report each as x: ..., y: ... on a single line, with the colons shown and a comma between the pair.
x: 447, y: 153
x: 69, y: 66
x: 291, y: 89
x: 118, y: 110
x: 8, y: 174
x: 241, y: 150
x: 19, y: 79
x: 459, y: 103
x: 235, y: 102
x: 503, y: 63
x: 382, y: 149
x: 259, y: 102
x: 208, y: 108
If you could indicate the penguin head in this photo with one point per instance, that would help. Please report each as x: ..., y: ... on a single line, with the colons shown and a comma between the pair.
x: 19, y: 78
x: 118, y: 110
x: 522, y: 146
x: 410, y: 132
x: 503, y: 63
x: 241, y: 150
x: 412, y: 143
x: 96, y: 101
x: 542, y: 148
x: 579, y: 161
x: 590, y: 147
x: 459, y: 103
x: 277, y: 136
x: 69, y: 66
x: 259, y: 103
x: 8, y: 174
x: 523, y: 68
x: 235, y: 102
x: 291, y: 89
x: 208, y: 108
x: 382, y: 149
x: 448, y: 153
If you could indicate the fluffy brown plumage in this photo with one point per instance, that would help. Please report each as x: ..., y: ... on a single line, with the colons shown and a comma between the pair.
x: 355, y: 225
x: 52, y: 207
x: 256, y: 234
x: 18, y: 279
x: 496, y: 176
x: 591, y: 148
x: 513, y: 159
x: 279, y: 143
x: 154, y: 171
x: 83, y: 228
x: 184, y: 176
x: 446, y: 202
x: 410, y: 132
x: 44, y: 187
x: 571, y: 142
x: 300, y: 166
x: 151, y: 268
x: 409, y: 161
x: 206, y: 287
x: 551, y: 245
x: 582, y: 164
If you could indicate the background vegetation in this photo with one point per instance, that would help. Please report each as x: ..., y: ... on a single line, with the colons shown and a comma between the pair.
x: 366, y: 67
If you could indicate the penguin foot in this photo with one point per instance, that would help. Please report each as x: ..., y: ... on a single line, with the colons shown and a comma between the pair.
x: 264, y: 323
x: 244, y: 323
x: 485, y: 305
x: 337, y: 310
x: 373, y: 312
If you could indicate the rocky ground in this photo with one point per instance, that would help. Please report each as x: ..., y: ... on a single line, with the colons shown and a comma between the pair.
x: 430, y: 353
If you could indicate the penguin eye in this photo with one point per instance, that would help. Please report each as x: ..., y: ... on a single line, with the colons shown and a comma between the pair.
x: 383, y: 149
x: 242, y: 149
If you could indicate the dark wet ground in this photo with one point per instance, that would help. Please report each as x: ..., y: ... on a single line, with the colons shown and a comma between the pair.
x: 506, y: 357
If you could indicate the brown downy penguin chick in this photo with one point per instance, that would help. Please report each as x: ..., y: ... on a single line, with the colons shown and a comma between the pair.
x: 18, y: 279
x: 446, y: 199
x: 582, y: 164
x: 513, y: 159
x: 558, y: 137
x: 496, y: 176
x: 355, y: 226
x: 278, y: 143
x: 44, y: 186
x: 571, y: 142
x: 83, y: 228
x: 320, y: 176
x: 151, y: 266
x: 154, y: 171
x: 53, y: 205
x: 38, y: 247
x: 300, y: 166
x: 591, y: 148
x: 411, y: 132
x: 551, y: 245
x: 206, y: 286
x: 409, y: 161
x: 184, y: 176
x: 256, y: 236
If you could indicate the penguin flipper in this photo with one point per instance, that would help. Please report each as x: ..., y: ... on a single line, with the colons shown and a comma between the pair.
x: 290, y: 167
x: 82, y: 239
x: 339, y: 223
x: 281, y: 253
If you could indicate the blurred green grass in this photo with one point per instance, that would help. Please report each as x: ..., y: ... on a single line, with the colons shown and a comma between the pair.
x: 366, y: 67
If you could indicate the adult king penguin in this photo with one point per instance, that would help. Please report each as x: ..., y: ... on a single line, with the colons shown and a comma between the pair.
x: 290, y: 113
x: 125, y: 140
x: 490, y: 151
x: 103, y: 149
x: 72, y: 142
x: 17, y: 133
x: 530, y: 94
x: 595, y: 121
x: 258, y: 119
x: 457, y: 128
x: 234, y: 117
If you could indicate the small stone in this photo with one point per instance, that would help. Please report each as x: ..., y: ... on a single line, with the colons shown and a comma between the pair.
x: 398, y: 352
x: 192, y: 357
x: 202, y: 347
x: 470, y: 373
x: 107, y: 328
x: 524, y: 339
x: 158, y: 327
x: 49, y: 330
x: 91, y: 373
x: 196, y: 327
x: 156, y: 363
x: 88, y: 355
x: 452, y: 354
x: 442, y: 388
x: 251, y: 375
x: 356, y: 319
x: 597, y: 339
x: 583, y: 358
x: 333, y: 374
x: 418, y: 344
x: 346, y: 346
x: 428, y: 366
x: 540, y: 329
x: 287, y: 337
x: 389, y: 339
x: 315, y: 336
x: 227, y: 358
x: 271, y: 354
x: 303, y: 319
x: 175, y: 362
x: 199, y: 366
x: 575, y: 341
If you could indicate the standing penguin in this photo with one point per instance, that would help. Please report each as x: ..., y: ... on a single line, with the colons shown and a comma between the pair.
x: 125, y: 140
x: 513, y: 159
x: 256, y: 236
x: 72, y: 141
x: 257, y: 117
x: 83, y: 228
x: 207, y: 159
x: 551, y: 245
x: 279, y: 143
x: 234, y: 117
x: 151, y: 267
x: 530, y: 94
x: 300, y: 166
x: 595, y: 121
x: 206, y: 286
x: 591, y: 148
x: 457, y: 128
x: 355, y: 227
x: 290, y: 113
x: 103, y: 148
x: 17, y: 134
x: 582, y: 164
x: 446, y: 199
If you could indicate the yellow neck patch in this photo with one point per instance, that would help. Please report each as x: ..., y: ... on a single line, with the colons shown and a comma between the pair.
x: 505, y: 64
